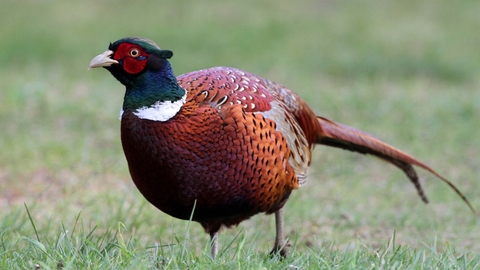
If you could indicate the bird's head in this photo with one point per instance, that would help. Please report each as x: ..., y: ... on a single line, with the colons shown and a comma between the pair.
x: 140, y: 65
x: 128, y: 58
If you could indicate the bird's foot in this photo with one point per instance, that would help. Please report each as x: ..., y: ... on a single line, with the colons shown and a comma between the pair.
x: 281, y: 251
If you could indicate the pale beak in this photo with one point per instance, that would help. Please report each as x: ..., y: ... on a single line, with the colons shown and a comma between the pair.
x: 102, y: 60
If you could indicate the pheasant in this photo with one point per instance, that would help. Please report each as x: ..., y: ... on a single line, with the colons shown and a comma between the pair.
x: 220, y: 145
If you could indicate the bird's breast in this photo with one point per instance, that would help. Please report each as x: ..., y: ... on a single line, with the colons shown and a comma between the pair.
x: 228, y: 165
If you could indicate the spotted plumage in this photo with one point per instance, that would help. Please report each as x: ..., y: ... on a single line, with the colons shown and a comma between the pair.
x: 228, y: 142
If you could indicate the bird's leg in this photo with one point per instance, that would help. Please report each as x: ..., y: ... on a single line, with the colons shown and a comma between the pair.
x: 281, y: 246
x: 214, y: 243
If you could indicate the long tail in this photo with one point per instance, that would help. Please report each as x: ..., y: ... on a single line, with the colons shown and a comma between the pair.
x: 348, y: 138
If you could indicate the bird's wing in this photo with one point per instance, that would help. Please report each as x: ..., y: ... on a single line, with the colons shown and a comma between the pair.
x: 224, y: 87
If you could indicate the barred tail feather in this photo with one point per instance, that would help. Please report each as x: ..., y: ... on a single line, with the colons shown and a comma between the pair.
x: 348, y: 138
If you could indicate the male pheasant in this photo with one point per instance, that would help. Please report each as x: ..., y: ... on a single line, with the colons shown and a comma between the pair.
x: 222, y: 143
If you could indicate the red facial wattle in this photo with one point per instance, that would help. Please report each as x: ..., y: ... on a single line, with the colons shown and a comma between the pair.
x: 134, y: 58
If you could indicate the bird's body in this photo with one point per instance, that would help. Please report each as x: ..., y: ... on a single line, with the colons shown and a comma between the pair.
x: 224, y: 149
x: 222, y: 143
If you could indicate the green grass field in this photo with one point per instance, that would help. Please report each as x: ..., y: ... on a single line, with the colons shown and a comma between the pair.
x: 406, y: 71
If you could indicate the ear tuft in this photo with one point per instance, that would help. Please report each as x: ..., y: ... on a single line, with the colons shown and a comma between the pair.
x: 166, y: 54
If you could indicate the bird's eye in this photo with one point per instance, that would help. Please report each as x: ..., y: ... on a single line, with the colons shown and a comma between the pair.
x: 134, y: 53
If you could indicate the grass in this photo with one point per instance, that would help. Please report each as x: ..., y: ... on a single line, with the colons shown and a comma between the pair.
x: 406, y: 71
x: 113, y: 251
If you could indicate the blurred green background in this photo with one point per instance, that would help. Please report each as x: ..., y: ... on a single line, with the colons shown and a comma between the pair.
x: 406, y: 71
